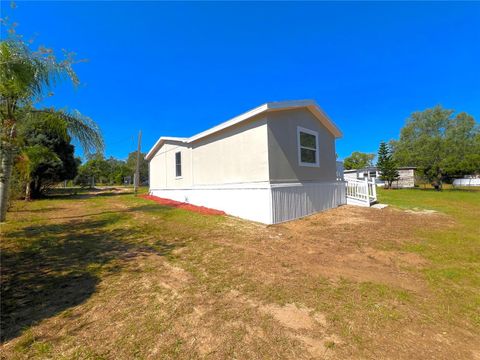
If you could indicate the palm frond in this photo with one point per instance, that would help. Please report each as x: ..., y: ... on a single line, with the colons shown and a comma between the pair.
x: 25, y: 74
x: 44, y: 119
x: 80, y: 127
x: 32, y: 156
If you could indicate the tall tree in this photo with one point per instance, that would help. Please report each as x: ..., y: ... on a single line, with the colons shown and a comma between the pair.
x: 358, y: 160
x: 387, y: 166
x: 104, y: 171
x: 132, y: 161
x: 440, y: 144
x: 48, y: 170
x: 30, y: 160
x: 117, y: 170
x: 95, y: 170
x: 26, y: 76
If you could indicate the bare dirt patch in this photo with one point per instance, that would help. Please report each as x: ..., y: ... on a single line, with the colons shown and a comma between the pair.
x: 292, y: 316
x: 342, y: 243
x: 299, y: 322
x: 320, y: 348
x: 421, y: 211
x: 125, y: 278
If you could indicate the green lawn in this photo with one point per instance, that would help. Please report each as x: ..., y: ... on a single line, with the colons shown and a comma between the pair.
x: 454, y: 252
x: 106, y: 275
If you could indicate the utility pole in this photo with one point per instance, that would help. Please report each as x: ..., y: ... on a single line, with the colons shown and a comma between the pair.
x: 136, y: 178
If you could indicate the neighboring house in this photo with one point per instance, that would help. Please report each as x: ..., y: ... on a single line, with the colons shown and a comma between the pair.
x: 406, y: 180
x: 271, y: 164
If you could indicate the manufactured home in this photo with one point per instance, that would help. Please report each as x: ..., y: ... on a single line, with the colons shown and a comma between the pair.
x: 271, y: 164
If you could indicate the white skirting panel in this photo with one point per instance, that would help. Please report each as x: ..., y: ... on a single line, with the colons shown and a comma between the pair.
x: 298, y: 200
x: 247, y: 203
x: 265, y: 203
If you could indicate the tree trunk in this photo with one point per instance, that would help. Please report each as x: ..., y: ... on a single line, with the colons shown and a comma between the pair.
x: 6, y: 164
x: 36, y: 189
x: 28, y: 191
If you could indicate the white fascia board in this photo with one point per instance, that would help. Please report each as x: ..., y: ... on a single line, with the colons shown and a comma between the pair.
x: 271, y: 106
x: 325, y: 120
x: 314, y: 108
x: 236, y: 120
x: 159, y: 144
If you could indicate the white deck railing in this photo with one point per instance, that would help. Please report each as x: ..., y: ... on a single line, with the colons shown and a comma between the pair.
x: 361, y: 192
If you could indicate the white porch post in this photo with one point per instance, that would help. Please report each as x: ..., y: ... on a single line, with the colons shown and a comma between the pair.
x: 367, y: 191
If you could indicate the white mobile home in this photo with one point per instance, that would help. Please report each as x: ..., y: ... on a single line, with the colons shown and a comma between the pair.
x: 406, y: 179
x: 271, y: 164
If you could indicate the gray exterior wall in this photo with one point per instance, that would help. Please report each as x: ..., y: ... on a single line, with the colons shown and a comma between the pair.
x: 283, y: 148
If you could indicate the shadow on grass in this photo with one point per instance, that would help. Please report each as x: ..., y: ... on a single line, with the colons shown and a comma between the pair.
x: 58, y: 266
x: 143, y: 208
x: 464, y: 189
x: 86, y: 195
x: 42, y: 210
x: 469, y: 189
x: 446, y: 189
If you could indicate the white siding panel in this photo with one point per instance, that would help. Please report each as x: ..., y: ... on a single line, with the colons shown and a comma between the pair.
x: 291, y: 202
x: 251, y: 203
x: 233, y: 156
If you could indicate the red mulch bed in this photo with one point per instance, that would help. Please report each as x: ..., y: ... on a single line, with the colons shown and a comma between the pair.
x: 185, y: 206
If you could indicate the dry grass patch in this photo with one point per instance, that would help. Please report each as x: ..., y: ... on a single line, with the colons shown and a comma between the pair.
x: 118, y: 277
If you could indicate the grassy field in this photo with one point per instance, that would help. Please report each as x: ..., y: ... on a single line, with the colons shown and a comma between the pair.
x: 106, y: 275
x: 453, y: 253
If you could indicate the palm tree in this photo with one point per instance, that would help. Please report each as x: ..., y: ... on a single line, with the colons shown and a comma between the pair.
x: 25, y: 78
x: 28, y: 162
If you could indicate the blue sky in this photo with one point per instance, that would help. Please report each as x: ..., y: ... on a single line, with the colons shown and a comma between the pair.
x: 179, y: 68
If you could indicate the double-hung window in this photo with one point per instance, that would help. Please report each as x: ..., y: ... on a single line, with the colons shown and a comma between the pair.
x: 307, y: 147
x: 178, y: 164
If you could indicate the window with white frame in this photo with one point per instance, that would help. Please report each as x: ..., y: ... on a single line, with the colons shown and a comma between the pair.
x: 307, y: 147
x: 178, y: 164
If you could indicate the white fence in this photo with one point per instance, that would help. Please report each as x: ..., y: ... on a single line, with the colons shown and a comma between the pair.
x: 361, y: 192
x: 466, y: 182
